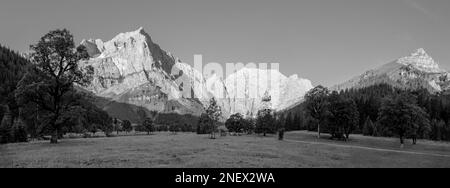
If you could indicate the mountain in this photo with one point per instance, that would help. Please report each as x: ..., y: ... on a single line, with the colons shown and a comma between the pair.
x: 247, y: 86
x: 132, y: 72
x: 132, y: 69
x: 415, y: 71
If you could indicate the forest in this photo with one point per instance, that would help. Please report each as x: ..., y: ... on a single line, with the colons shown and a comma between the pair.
x: 378, y: 110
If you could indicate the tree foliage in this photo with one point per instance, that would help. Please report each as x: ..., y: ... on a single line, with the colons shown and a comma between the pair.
x: 317, y: 104
x: 265, y: 122
x: 148, y: 125
x: 50, y: 83
x: 126, y: 126
x: 236, y: 123
x: 12, y: 68
x: 5, y: 127
x: 203, y: 125
x: 369, y: 102
x: 214, y: 113
x: 369, y: 128
x: 403, y: 116
x: 343, y: 116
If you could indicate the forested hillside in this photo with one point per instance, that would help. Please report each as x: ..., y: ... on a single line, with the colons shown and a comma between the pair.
x: 12, y: 68
x: 370, y: 102
x: 37, y: 94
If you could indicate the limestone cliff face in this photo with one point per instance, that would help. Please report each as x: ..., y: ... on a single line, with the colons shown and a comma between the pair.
x: 131, y: 69
x: 247, y: 87
x: 415, y: 71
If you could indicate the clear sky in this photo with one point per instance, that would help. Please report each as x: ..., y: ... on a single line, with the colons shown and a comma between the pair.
x: 326, y: 41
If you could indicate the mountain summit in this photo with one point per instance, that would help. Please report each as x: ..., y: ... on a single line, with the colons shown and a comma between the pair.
x: 416, y: 71
x: 421, y: 61
x: 134, y: 73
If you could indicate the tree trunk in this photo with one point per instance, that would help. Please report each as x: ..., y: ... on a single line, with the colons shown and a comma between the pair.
x: 318, y: 130
x: 281, y: 135
x: 54, y: 138
x: 402, y: 141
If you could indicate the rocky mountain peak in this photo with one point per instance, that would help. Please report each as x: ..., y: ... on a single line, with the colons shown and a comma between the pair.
x: 421, y: 52
x: 131, y: 69
x: 421, y: 60
x: 416, y: 71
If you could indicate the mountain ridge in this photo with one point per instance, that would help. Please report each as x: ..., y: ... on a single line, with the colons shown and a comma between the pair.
x: 415, y: 71
x: 132, y: 69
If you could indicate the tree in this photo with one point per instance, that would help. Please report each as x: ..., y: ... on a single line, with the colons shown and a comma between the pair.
x: 249, y: 125
x: 343, y: 116
x: 203, y: 124
x: 89, y: 116
x: 279, y: 123
x: 50, y: 83
x: 105, y: 122
x: 12, y: 68
x: 297, y: 121
x: 174, y: 128
x: 289, y: 123
x: 235, y: 123
x: 116, y: 125
x: 18, y: 131
x: 437, y: 130
x: 214, y: 113
x: 148, y: 125
x: 5, y: 127
x: 126, y: 126
x: 265, y: 122
x: 141, y: 113
x: 403, y: 116
x: 368, y: 129
x: 317, y: 104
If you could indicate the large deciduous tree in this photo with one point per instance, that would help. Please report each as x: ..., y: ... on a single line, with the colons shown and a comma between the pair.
x: 126, y: 126
x: 236, y: 123
x: 403, y: 116
x: 343, y: 116
x: 50, y: 83
x: 265, y: 122
x: 147, y: 124
x: 317, y: 105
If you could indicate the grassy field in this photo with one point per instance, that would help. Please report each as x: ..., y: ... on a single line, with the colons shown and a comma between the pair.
x: 300, y: 149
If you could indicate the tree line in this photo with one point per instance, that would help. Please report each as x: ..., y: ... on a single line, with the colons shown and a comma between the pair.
x: 378, y: 110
